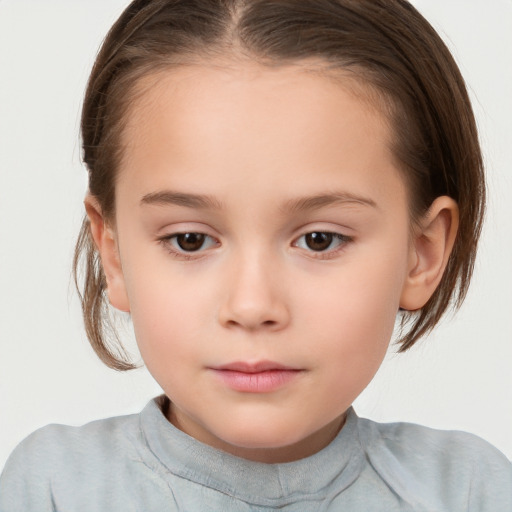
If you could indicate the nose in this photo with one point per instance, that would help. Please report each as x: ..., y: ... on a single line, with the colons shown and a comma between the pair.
x: 254, y: 296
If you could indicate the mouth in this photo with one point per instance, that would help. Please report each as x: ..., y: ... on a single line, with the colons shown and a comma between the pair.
x: 260, y: 377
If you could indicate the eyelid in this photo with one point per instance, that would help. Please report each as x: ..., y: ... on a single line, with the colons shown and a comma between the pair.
x: 342, y: 242
x: 167, y: 242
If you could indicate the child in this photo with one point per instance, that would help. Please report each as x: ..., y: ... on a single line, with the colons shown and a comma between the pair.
x: 270, y: 184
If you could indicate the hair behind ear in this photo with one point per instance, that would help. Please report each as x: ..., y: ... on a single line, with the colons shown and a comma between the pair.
x: 98, y: 321
x: 431, y: 250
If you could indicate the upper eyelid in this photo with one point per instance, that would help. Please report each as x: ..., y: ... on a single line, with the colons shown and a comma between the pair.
x: 342, y: 231
x: 169, y: 232
x: 179, y: 228
x: 178, y: 233
x: 340, y: 236
x: 329, y: 231
x: 324, y: 226
x: 298, y: 234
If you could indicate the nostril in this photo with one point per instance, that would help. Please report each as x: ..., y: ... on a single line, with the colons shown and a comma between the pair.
x: 266, y: 324
x: 252, y: 311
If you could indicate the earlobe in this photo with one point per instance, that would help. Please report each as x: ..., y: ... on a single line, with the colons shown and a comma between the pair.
x: 430, y: 249
x: 105, y: 240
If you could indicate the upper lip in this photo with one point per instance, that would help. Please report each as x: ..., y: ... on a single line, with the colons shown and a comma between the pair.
x: 257, y: 367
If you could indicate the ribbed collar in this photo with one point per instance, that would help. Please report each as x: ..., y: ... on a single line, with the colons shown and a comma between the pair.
x: 335, y: 467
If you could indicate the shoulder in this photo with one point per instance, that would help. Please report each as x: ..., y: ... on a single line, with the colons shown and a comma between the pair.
x: 433, y: 443
x: 58, y: 457
x: 52, y: 443
x: 460, y: 467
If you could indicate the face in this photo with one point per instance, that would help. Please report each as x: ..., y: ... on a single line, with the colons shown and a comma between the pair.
x: 264, y: 243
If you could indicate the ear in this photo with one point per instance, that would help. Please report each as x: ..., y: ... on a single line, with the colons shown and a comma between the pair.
x: 106, y: 243
x: 430, y: 249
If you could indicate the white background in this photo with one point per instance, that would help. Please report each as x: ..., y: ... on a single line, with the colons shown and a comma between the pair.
x: 460, y: 377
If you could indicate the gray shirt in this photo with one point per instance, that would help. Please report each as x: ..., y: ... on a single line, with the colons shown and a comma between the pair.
x: 142, y: 463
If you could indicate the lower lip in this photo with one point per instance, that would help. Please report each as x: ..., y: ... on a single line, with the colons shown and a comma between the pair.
x: 258, y: 382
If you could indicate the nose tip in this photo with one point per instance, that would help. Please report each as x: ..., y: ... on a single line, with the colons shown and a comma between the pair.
x: 254, y: 301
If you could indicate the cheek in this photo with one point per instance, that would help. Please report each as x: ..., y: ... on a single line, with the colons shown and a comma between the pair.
x: 167, y: 308
x: 354, y: 309
x: 355, y: 335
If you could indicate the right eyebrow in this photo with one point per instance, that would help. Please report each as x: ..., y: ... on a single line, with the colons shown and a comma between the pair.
x: 323, y: 200
x: 169, y: 197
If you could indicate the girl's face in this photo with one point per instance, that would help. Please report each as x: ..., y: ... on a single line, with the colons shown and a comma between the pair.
x: 265, y: 247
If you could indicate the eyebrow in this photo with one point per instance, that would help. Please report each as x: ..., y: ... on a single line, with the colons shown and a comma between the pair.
x: 200, y: 201
x: 168, y: 197
x: 322, y: 200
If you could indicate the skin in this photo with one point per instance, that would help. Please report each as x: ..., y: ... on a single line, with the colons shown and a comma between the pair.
x: 261, y: 143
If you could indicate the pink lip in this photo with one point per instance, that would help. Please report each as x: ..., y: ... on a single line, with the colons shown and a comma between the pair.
x: 260, y: 377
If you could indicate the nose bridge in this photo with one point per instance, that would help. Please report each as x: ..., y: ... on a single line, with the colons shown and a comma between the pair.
x: 255, y: 297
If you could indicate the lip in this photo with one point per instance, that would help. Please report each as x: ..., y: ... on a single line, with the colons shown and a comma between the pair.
x: 259, y: 377
x: 257, y: 367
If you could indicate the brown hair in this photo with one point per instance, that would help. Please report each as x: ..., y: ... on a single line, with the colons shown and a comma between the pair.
x: 387, y: 44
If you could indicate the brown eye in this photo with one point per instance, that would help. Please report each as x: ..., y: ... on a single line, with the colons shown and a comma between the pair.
x: 323, y: 242
x: 190, y: 242
x: 318, y: 241
x: 185, y: 244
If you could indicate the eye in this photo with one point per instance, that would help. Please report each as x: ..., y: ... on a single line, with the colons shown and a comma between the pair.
x: 320, y: 241
x: 189, y: 242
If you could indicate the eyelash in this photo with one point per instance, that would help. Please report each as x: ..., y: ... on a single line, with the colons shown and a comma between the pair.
x: 167, y: 242
x: 342, y: 241
x: 179, y: 252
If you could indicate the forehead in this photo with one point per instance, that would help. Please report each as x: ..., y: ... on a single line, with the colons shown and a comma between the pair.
x: 214, y: 123
x: 206, y: 85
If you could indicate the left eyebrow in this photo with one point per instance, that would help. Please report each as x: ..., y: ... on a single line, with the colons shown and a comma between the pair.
x: 322, y: 200
x: 169, y: 197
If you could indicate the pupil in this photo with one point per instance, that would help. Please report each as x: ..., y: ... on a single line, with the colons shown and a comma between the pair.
x: 319, y: 241
x: 190, y: 241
